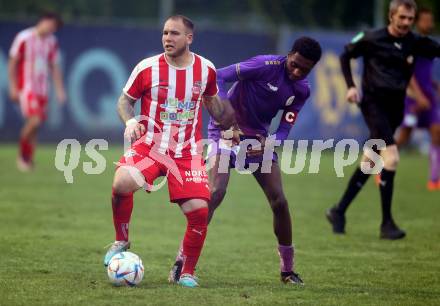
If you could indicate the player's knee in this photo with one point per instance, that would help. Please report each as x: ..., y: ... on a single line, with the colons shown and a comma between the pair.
x: 123, y: 182
x: 279, y: 205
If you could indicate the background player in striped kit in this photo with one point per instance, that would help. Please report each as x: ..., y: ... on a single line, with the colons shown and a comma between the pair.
x: 172, y: 86
x: 32, y: 57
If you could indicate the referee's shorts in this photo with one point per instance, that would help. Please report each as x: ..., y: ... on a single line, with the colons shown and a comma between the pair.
x: 383, y: 114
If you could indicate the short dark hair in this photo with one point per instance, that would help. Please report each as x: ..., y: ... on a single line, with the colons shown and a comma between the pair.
x: 307, y: 47
x: 394, y: 5
x: 422, y: 11
x: 188, y: 23
x: 53, y: 16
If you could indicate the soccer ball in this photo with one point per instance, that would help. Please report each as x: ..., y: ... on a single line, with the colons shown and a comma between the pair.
x: 125, y: 269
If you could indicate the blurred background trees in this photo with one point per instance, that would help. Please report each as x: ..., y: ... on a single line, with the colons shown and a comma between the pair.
x: 244, y: 14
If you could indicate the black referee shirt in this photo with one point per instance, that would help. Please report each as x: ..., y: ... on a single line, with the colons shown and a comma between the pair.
x: 388, y: 60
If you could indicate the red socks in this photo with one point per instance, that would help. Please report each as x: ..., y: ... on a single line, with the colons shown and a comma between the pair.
x: 197, y: 225
x: 194, y: 238
x: 26, y: 150
x: 122, y: 205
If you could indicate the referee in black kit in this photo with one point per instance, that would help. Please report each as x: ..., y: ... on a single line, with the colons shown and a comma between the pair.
x: 388, y: 56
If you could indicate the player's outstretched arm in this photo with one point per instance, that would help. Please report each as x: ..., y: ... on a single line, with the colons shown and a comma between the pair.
x: 133, y: 130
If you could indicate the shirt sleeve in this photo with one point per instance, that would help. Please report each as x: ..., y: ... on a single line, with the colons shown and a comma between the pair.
x: 286, y: 123
x: 17, y: 47
x: 211, y: 88
x: 134, y: 88
x: 357, y: 45
x: 427, y: 47
x: 251, y: 69
x: 225, y: 75
x: 356, y: 48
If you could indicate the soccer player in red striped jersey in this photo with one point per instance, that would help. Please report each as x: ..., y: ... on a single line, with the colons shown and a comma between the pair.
x: 32, y: 57
x: 172, y: 87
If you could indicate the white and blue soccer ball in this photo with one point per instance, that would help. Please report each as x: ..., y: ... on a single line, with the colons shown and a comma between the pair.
x: 125, y: 269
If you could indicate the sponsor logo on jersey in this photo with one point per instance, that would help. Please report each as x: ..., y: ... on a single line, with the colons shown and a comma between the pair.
x: 271, y: 87
x: 195, y: 173
x: 290, y: 100
x: 197, y: 88
x: 196, y: 176
x: 398, y: 45
x: 175, y: 110
x: 272, y: 62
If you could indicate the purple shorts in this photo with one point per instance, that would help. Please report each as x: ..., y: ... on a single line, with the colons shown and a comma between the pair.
x: 422, y: 119
x: 235, y: 156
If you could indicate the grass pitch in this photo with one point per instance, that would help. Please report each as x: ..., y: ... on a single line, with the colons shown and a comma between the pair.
x: 52, y: 238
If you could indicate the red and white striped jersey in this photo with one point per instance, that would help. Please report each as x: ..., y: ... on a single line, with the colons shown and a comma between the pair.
x: 34, y: 54
x: 171, y: 102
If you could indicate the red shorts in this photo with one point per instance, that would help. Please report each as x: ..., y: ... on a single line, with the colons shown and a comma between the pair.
x: 33, y: 105
x: 187, y: 177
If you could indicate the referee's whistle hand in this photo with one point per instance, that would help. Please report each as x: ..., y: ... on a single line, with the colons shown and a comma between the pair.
x: 353, y: 95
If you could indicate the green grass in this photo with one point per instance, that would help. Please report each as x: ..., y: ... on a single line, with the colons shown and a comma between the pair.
x: 52, y: 238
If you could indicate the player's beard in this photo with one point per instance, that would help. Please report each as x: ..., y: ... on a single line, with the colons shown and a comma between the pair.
x: 177, y: 52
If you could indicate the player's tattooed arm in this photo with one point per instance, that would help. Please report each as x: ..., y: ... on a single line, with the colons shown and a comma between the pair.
x: 133, y: 130
x: 223, y: 114
x: 221, y: 111
x: 126, y: 107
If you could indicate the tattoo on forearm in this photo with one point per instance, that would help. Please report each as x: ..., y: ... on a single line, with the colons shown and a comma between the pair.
x: 125, y: 107
x: 216, y: 109
x: 221, y: 111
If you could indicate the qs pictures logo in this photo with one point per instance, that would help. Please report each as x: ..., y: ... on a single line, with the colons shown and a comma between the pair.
x: 331, y: 89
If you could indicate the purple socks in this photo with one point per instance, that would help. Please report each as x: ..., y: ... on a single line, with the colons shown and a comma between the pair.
x: 434, y: 162
x: 286, y: 254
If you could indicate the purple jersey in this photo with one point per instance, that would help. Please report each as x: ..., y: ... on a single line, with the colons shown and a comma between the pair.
x: 423, y: 74
x: 262, y: 88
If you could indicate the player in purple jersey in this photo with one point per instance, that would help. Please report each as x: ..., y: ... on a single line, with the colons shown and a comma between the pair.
x: 421, y: 107
x: 263, y: 86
